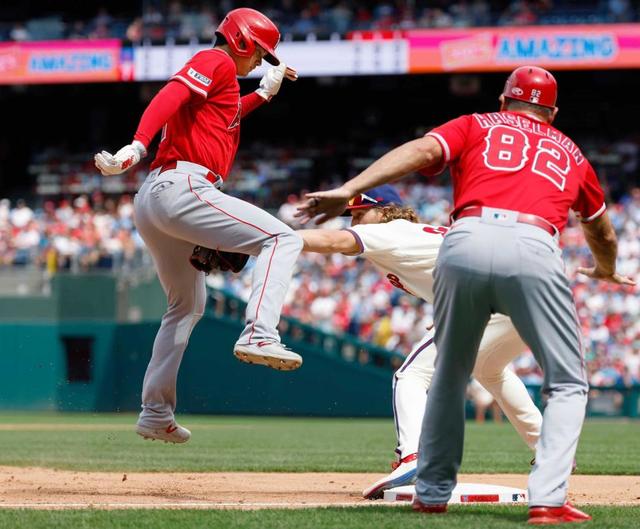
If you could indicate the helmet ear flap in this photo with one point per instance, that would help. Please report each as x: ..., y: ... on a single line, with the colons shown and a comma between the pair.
x: 241, y: 43
x: 244, y: 42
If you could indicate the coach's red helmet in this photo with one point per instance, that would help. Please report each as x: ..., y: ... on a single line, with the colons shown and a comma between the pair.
x: 532, y: 84
x: 243, y: 28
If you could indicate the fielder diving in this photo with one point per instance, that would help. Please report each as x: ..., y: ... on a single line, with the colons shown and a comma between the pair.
x: 405, y: 251
x: 515, y: 178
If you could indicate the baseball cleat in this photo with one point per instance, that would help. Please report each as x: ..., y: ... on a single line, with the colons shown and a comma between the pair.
x: 428, y: 508
x: 404, y: 473
x: 271, y: 354
x: 174, y: 433
x: 567, y: 513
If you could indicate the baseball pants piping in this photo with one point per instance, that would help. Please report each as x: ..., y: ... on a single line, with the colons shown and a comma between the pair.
x: 174, y: 211
x: 500, y: 345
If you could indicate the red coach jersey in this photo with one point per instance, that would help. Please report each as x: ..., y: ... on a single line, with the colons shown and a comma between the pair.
x: 511, y: 161
x: 206, y: 130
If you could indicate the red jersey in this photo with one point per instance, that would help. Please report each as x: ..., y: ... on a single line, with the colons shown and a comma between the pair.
x: 205, y: 130
x: 510, y: 160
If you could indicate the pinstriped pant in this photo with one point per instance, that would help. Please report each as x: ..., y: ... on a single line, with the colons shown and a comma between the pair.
x: 176, y: 210
x: 500, y: 345
x: 495, y: 265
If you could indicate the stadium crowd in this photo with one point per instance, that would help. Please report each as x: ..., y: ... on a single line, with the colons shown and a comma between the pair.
x: 188, y: 20
x: 346, y: 295
x: 86, y: 233
x: 85, y: 222
x: 337, y: 293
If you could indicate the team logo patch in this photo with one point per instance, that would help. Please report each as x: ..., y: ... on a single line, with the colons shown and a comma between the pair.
x: 202, y: 79
x: 236, y: 120
x: 517, y: 91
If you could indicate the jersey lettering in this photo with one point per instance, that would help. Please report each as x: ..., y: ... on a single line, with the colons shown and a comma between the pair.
x: 552, y: 162
x: 436, y: 230
x: 236, y: 119
x: 492, y: 163
x: 395, y: 281
x: 506, y: 150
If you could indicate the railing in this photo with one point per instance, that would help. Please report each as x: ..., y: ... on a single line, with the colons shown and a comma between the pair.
x: 348, y: 348
x: 604, y: 401
x: 28, y: 275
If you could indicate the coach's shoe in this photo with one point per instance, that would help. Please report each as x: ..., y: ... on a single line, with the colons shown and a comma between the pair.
x: 404, y: 473
x: 428, y: 508
x: 266, y: 353
x: 174, y: 433
x: 556, y: 515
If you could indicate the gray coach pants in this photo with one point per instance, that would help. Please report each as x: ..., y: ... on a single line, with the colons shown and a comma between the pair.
x: 176, y: 210
x: 488, y: 265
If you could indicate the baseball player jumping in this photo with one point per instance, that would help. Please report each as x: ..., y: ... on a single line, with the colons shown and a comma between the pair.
x: 180, y: 205
x: 405, y: 251
x: 515, y: 178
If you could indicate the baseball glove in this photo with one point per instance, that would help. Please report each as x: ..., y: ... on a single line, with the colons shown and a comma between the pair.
x: 205, y: 260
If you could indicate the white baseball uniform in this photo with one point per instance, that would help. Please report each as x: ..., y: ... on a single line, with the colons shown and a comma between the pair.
x: 406, y: 253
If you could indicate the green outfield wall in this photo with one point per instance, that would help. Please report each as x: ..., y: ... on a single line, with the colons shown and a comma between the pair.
x: 98, y: 366
x: 83, y: 348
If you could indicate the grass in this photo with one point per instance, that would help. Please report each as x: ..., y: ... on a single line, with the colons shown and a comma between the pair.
x: 467, y: 517
x: 107, y: 442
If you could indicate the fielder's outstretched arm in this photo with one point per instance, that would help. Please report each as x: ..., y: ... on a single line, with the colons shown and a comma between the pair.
x: 418, y: 154
x: 330, y: 241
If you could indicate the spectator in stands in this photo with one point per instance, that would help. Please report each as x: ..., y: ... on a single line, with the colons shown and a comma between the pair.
x: 340, y: 18
x: 21, y: 215
x: 482, y: 402
x: 177, y: 19
x: 5, y: 212
x: 288, y: 209
x: 78, y: 30
x: 135, y: 31
x: 620, y: 10
x: 19, y: 33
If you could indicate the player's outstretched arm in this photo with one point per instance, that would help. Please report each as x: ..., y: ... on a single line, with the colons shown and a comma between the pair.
x: 128, y: 156
x: 166, y: 102
x: 329, y: 241
x: 413, y: 155
x: 601, y: 238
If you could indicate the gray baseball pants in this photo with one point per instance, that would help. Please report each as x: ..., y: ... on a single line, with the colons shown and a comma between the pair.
x: 176, y: 210
x: 492, y: 265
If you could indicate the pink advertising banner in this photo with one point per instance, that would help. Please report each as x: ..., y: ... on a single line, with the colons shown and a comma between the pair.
x: 64, y: 61
x: 554, y: 47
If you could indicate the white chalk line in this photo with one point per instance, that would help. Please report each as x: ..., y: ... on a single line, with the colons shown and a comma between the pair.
x: 235, y: 505
x: 192, y: 505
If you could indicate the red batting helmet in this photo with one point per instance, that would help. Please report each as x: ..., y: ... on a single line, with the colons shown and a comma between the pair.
x: 243, y: 28
x: 532, y: 84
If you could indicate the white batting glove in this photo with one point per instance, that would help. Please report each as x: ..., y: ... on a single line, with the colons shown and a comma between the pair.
x: 128, y: 156
x: 271, y: 81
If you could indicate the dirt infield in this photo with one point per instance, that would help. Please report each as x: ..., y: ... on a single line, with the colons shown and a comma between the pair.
x: 62, y: 489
